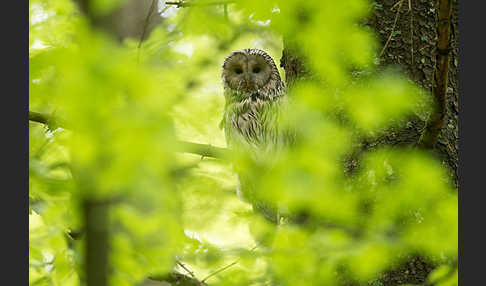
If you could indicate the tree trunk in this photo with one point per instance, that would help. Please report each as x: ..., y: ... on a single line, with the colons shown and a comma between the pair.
x: 413, y: 50
x: 416, y: 55
x: 133, y: 19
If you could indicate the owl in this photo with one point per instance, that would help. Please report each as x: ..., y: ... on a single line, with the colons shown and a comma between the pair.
x: 255, y: 102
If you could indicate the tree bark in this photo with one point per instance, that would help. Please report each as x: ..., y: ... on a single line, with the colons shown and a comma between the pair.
x: 414, y: 51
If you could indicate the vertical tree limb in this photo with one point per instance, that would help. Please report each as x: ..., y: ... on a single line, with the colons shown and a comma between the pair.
x: 436, y: 121
x: 96, y: 262
x: 153, y: 5
x: 95, y: 212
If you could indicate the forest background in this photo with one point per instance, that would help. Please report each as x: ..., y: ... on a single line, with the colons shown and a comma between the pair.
x: 130, y: 181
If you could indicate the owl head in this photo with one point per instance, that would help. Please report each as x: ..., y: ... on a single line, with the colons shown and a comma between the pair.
x: 251, y: 71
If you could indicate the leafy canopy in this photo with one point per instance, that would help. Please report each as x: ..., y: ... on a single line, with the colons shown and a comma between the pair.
x: 124, y: 108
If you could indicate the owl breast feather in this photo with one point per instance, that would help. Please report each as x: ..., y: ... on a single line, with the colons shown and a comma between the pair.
x: 253, y: 124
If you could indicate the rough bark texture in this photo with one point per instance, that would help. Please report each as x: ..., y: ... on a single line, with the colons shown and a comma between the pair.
x: 293, y: 64
x: 420, y: 68
x: 412, y: 48
x: 420, y: 22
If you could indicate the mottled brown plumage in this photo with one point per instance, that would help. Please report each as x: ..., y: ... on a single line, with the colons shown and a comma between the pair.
x: 252, y: 120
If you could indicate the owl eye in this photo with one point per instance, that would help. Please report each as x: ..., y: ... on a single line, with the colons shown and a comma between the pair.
x: 238, y: 70
x: 256, y: 69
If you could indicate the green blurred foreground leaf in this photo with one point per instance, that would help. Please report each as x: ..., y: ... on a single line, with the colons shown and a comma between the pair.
x: 127, y: 109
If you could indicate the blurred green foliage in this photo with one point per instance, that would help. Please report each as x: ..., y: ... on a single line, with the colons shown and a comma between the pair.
x: 123, y: 108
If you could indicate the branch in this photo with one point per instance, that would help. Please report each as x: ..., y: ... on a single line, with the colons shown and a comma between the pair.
x: 431, y: 132
x: 399, y: 3
x: 220, y: 270
x: 185, y: 268
x: 225, y: 267
x: 37, y: 117
x: 176, y: 278
x: 49, y: 121
x: 183, y: 4
x: 147, y: 21
x: 204, y: 150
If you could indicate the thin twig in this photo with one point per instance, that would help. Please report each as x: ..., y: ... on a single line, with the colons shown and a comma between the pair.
x: 182, y: 4
x: 395, y: 5
x: 163, y: 10
x: 147, y: 20
x: 411, y: 29
x: 220, y: 270
x: 225, y: 267
x: 145, y: 26
x: 393, y: 27
x: 426, y: 46
x: 187, y: 270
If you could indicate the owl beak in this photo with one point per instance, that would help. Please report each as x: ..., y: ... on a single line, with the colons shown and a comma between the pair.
x: 247, y: 83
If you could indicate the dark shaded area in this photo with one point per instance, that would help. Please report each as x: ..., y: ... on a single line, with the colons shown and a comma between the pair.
x: 294, y: 65
x: 414, y: 271
x: 412, y: 49
x: 97, y: 243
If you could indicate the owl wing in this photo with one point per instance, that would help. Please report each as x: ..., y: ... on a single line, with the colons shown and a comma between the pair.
x: 254, y: 128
